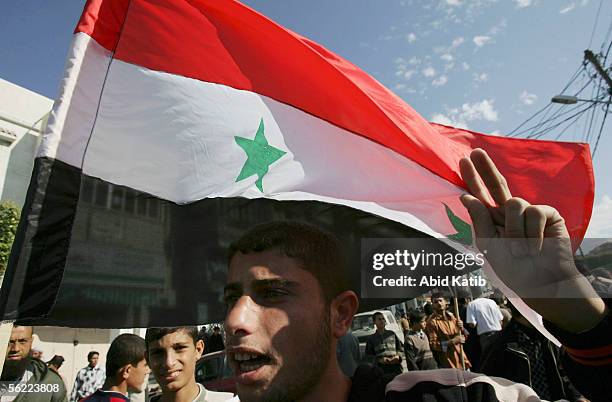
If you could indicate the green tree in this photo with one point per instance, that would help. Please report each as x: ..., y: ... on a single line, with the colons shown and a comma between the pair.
x: 9, y: 218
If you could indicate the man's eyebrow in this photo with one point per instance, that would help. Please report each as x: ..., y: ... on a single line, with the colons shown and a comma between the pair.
x: 281, y: 283
x: 232, y: 287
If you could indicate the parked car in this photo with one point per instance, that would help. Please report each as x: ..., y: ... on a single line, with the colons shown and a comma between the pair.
x: 213, y: 371
x: 363, y: 327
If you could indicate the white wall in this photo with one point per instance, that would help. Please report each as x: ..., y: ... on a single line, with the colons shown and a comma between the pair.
x: 17, y: 103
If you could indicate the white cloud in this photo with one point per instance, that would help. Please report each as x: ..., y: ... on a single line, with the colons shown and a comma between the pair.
x: 447, y: 121
x: 429, y: 72
x: 601, y: 219
x: 402, y: 69
x: 453, y: 2
x: 568, y: 8
x: 482, y: 77
x: 461, y: 116
x: 523, y: 3
x: 414, y: 61
x: 408, y: 74
x: 457, y: 41
x: 482, y: 110
x: 527, y: 98
x: 441, y: 80
x: 447, y: 57
x: 465, y: 66
x: 482, y: 40
x: 411, y: 37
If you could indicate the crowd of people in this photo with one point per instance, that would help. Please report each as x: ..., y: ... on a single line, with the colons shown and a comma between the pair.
x: 497, y: 341
x: 290, y: 304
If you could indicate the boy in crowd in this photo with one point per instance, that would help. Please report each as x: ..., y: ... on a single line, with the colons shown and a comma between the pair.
x: 126, y: 370
x: 172, y: 354
x: 416, y: 344
x: 384, y: 347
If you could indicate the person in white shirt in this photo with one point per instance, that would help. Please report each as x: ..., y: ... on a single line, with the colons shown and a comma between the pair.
x: 485, y: 316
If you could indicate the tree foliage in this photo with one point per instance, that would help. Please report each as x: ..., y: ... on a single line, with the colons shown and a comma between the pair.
x: 9, y: 218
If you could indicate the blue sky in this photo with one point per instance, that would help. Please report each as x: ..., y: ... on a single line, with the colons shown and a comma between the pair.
x: 482, y: 64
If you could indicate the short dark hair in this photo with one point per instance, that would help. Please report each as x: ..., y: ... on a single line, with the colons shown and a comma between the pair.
x: 154, y: 334
x: 318, y: 251
x: 56, y: 360
x: 125, y: 349
x: 416, y: 316
x: 91, y: 354
x: 377, y: 314
x: 438, y: 295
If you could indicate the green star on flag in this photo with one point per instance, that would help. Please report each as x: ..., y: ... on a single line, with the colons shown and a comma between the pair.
x: 464, y: 229
x: 260, y: 155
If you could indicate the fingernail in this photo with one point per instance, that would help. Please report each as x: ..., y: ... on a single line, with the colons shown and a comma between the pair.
x: 518, y: 249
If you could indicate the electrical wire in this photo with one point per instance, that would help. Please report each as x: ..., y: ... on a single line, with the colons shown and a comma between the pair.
x: 595, y: 25
x: 602, y: 126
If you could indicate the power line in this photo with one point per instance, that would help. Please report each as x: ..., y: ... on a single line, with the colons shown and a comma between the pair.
x: 595, y: 25
x: 602, y: 126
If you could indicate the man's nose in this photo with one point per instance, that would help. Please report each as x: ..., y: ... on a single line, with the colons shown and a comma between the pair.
x: 242, y: 316
x: 170, y: 359
x: 13, y: 347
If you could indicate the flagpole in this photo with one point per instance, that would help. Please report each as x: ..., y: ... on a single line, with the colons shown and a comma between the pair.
x: 460, y: 333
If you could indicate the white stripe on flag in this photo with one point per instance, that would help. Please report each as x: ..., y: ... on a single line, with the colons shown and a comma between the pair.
x: 74, y: 111
x: 174, y: 137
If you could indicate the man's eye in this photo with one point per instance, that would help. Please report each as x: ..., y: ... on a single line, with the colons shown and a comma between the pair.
x: 274, y: 293
x: 230, y: 299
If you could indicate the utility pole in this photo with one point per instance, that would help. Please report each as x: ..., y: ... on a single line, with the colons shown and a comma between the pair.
x: 592, y: 58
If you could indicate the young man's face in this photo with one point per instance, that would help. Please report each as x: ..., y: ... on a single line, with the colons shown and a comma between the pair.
x: 137, y: 375
x: 439, y: 304
x: 277, y: 327
x: 379, y: 321
x: 173, y: 358
x: 93, y: 360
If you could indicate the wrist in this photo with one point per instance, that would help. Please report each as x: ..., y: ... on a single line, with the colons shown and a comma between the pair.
x: 571, y: 315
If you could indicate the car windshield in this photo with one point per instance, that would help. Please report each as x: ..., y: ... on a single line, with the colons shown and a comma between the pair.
x: 362, y: 322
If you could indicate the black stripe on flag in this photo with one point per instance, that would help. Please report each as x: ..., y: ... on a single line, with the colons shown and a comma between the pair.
x: 96, y: 255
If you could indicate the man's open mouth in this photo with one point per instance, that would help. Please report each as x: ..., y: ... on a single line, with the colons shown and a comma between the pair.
x: 250, y: 361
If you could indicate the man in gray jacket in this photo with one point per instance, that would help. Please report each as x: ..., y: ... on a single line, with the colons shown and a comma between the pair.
x: 27, y: 379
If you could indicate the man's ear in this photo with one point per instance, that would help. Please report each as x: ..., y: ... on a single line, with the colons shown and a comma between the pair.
x: 343, y: 307
x: 199, y: 347
x: 125, y: 371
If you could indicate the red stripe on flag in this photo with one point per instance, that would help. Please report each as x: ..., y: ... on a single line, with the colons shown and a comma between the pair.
x: 227, y: 43
x: 102, y: 20
x: 555, y: 173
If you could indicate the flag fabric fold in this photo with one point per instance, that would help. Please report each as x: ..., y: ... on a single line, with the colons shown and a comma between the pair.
x: 180, y: 124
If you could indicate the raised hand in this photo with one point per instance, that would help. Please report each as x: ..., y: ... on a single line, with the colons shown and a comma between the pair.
x: 528, y: 246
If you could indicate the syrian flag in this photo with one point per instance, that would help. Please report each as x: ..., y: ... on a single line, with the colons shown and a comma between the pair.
x: 180, y: 124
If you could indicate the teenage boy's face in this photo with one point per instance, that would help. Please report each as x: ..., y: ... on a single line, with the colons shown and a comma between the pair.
x: 277, y: 326
x: 136, y: 378
x: 379, y: 321
x: 173, y: 358
x: 439, y: 304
